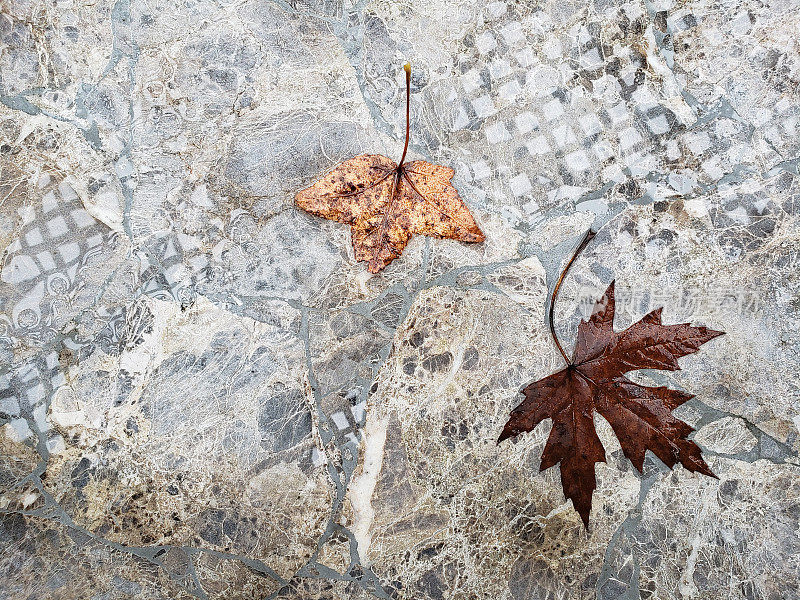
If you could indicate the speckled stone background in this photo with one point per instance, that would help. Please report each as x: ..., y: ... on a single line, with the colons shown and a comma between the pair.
x: 203, y: 395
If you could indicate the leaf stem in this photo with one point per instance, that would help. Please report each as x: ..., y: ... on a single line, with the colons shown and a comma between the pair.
x: 407, y: 68
x: 584, y: 242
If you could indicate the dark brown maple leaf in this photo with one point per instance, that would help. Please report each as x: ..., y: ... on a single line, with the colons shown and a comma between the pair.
x: 594, y: 380
x: 386, y: 203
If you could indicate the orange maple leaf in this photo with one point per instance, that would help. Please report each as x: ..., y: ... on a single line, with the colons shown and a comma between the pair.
x: 386, y: 203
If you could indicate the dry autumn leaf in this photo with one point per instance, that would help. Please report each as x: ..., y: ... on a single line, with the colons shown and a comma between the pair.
x: 386, y: 203
x: 594, y: 380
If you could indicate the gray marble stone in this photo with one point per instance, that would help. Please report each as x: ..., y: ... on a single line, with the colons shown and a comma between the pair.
x: 204, y: 395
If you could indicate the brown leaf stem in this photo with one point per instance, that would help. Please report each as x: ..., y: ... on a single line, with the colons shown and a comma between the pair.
x: 584, y: 242
x: 407, y: 68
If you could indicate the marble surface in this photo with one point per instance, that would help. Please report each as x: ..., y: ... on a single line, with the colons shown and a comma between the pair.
x: 203, y: 395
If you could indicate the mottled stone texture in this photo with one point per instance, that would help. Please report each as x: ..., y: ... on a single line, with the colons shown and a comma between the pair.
x: 203, y: 394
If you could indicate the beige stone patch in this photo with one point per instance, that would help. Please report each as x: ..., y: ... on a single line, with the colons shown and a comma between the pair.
x: 726, y: 436
x: 209, y: 446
